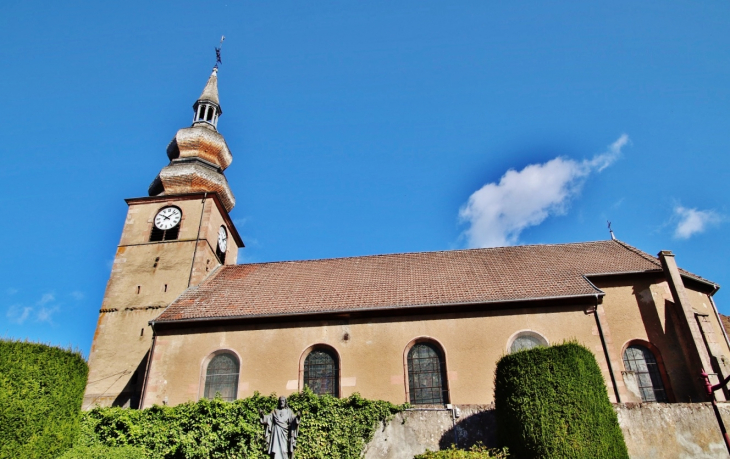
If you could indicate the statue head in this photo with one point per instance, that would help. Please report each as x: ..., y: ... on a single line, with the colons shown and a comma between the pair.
x: 282, y: 403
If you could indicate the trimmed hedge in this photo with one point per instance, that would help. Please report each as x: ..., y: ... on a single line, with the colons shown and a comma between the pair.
x: 330, y: 428
x: 551, y: 402
x: 477, y: 451
x: 41, y: 389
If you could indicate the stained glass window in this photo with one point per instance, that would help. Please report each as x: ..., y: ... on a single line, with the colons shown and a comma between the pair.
x: 642, y: 362
x: 321, y: 372
x: 221, y: 377
x: 426, y: 375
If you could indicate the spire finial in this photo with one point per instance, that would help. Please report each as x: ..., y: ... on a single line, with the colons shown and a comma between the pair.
x: 613, y: 238
x: 218, y: 53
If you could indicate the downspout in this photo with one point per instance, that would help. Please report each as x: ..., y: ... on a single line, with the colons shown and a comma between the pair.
x: 197, y: 239
x: 149, y: 364
x: 605, y: 353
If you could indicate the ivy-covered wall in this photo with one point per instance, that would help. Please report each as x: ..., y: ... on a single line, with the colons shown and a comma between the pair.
x: 331, y: 428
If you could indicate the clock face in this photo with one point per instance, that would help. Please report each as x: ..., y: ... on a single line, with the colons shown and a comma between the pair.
x: 168, y: 218
x: 222, y: 239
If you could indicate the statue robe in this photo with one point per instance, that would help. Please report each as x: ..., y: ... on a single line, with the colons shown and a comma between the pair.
x: 282, y: 428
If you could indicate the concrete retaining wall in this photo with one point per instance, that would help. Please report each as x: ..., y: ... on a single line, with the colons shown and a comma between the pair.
x: 652, y: 430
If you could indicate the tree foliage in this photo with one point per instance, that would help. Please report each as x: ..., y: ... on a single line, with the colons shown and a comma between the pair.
x: 331, y: 428
x: 551, y: 402
x: 41, y: 389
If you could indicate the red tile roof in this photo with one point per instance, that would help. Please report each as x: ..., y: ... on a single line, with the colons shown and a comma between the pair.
x: 406, y: 280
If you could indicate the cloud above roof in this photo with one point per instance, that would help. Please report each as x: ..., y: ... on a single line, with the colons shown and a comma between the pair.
x: 497, y: 213
x: 693, y: 221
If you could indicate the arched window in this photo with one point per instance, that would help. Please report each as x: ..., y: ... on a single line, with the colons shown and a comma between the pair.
x: 322, y: 372
x: 526, y: 340
x: 427, y: 375
x: 221, y: 377
x: 643, y: 363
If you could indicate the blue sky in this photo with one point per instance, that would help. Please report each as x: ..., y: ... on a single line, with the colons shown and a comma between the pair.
x: 362, y: 128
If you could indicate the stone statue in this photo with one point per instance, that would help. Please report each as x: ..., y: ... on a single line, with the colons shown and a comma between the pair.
x: 282, y: 428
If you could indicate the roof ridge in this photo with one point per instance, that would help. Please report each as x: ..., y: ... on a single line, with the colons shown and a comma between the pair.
x: 375, y: 255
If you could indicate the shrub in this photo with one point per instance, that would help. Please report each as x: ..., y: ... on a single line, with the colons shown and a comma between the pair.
x: 104, y: 452
x: 330, y: 428
x: 41, y: 389
x: 551, y: 402
x: 477, y: 451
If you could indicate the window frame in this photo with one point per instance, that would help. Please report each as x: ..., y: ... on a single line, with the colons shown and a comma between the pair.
x: 338, y: 365
x: 204, y: 371
x: 445, y: 373
x: 525, y: 332
x: 668, y: 391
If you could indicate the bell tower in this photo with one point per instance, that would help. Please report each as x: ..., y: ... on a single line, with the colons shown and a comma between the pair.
x: 171, y: 240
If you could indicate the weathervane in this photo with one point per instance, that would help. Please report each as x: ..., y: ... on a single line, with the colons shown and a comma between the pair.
x: 613, y: 238
x: 218, y: 52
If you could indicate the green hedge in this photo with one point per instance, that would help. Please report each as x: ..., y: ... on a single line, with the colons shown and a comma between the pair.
x: 104, y: 452
x: 477, y: 451
x: 41, y: 389
x: 330, y: 428
x: 551, y: 402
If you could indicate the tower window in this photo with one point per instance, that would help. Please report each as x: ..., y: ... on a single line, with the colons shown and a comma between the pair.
x: 321, y: 372
x: 427, y: 375
x: 164, y: 235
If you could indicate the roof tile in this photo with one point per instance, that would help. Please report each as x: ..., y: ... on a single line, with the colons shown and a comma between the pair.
x: 406, y: 279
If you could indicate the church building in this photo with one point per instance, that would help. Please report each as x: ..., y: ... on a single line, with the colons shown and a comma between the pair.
x: 181, y: 321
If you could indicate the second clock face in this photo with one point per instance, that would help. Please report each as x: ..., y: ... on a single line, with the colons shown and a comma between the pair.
x: 168, y: 218
x: 222, y: 239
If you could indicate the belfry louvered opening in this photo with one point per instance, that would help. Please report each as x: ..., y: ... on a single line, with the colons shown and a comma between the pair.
x: 164, y: 235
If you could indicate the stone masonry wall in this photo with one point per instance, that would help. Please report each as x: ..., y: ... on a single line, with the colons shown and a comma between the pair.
x: 652, y: 430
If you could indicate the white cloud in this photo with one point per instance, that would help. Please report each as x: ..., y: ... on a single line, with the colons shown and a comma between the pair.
x: 78, y: 296
x: 43, y: 310
x: 693, y: 221
x: 498, y: 212
x: 44, y: 314
x: 18, y: 314
x: 46, y: 298
x: 11, y: 291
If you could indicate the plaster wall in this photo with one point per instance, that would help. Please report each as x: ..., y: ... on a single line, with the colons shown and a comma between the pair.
x: 372, y: 358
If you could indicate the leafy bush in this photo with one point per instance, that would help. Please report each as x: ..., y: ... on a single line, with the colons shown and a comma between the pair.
x: 551, y: 402
x: 330, y: 428
x: 104, y: 452
x: 41, y: 389
x: 477, y: 451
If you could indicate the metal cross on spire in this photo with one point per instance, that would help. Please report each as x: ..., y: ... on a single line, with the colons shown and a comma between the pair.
x: 610, y: 230
x: 218, y: 52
